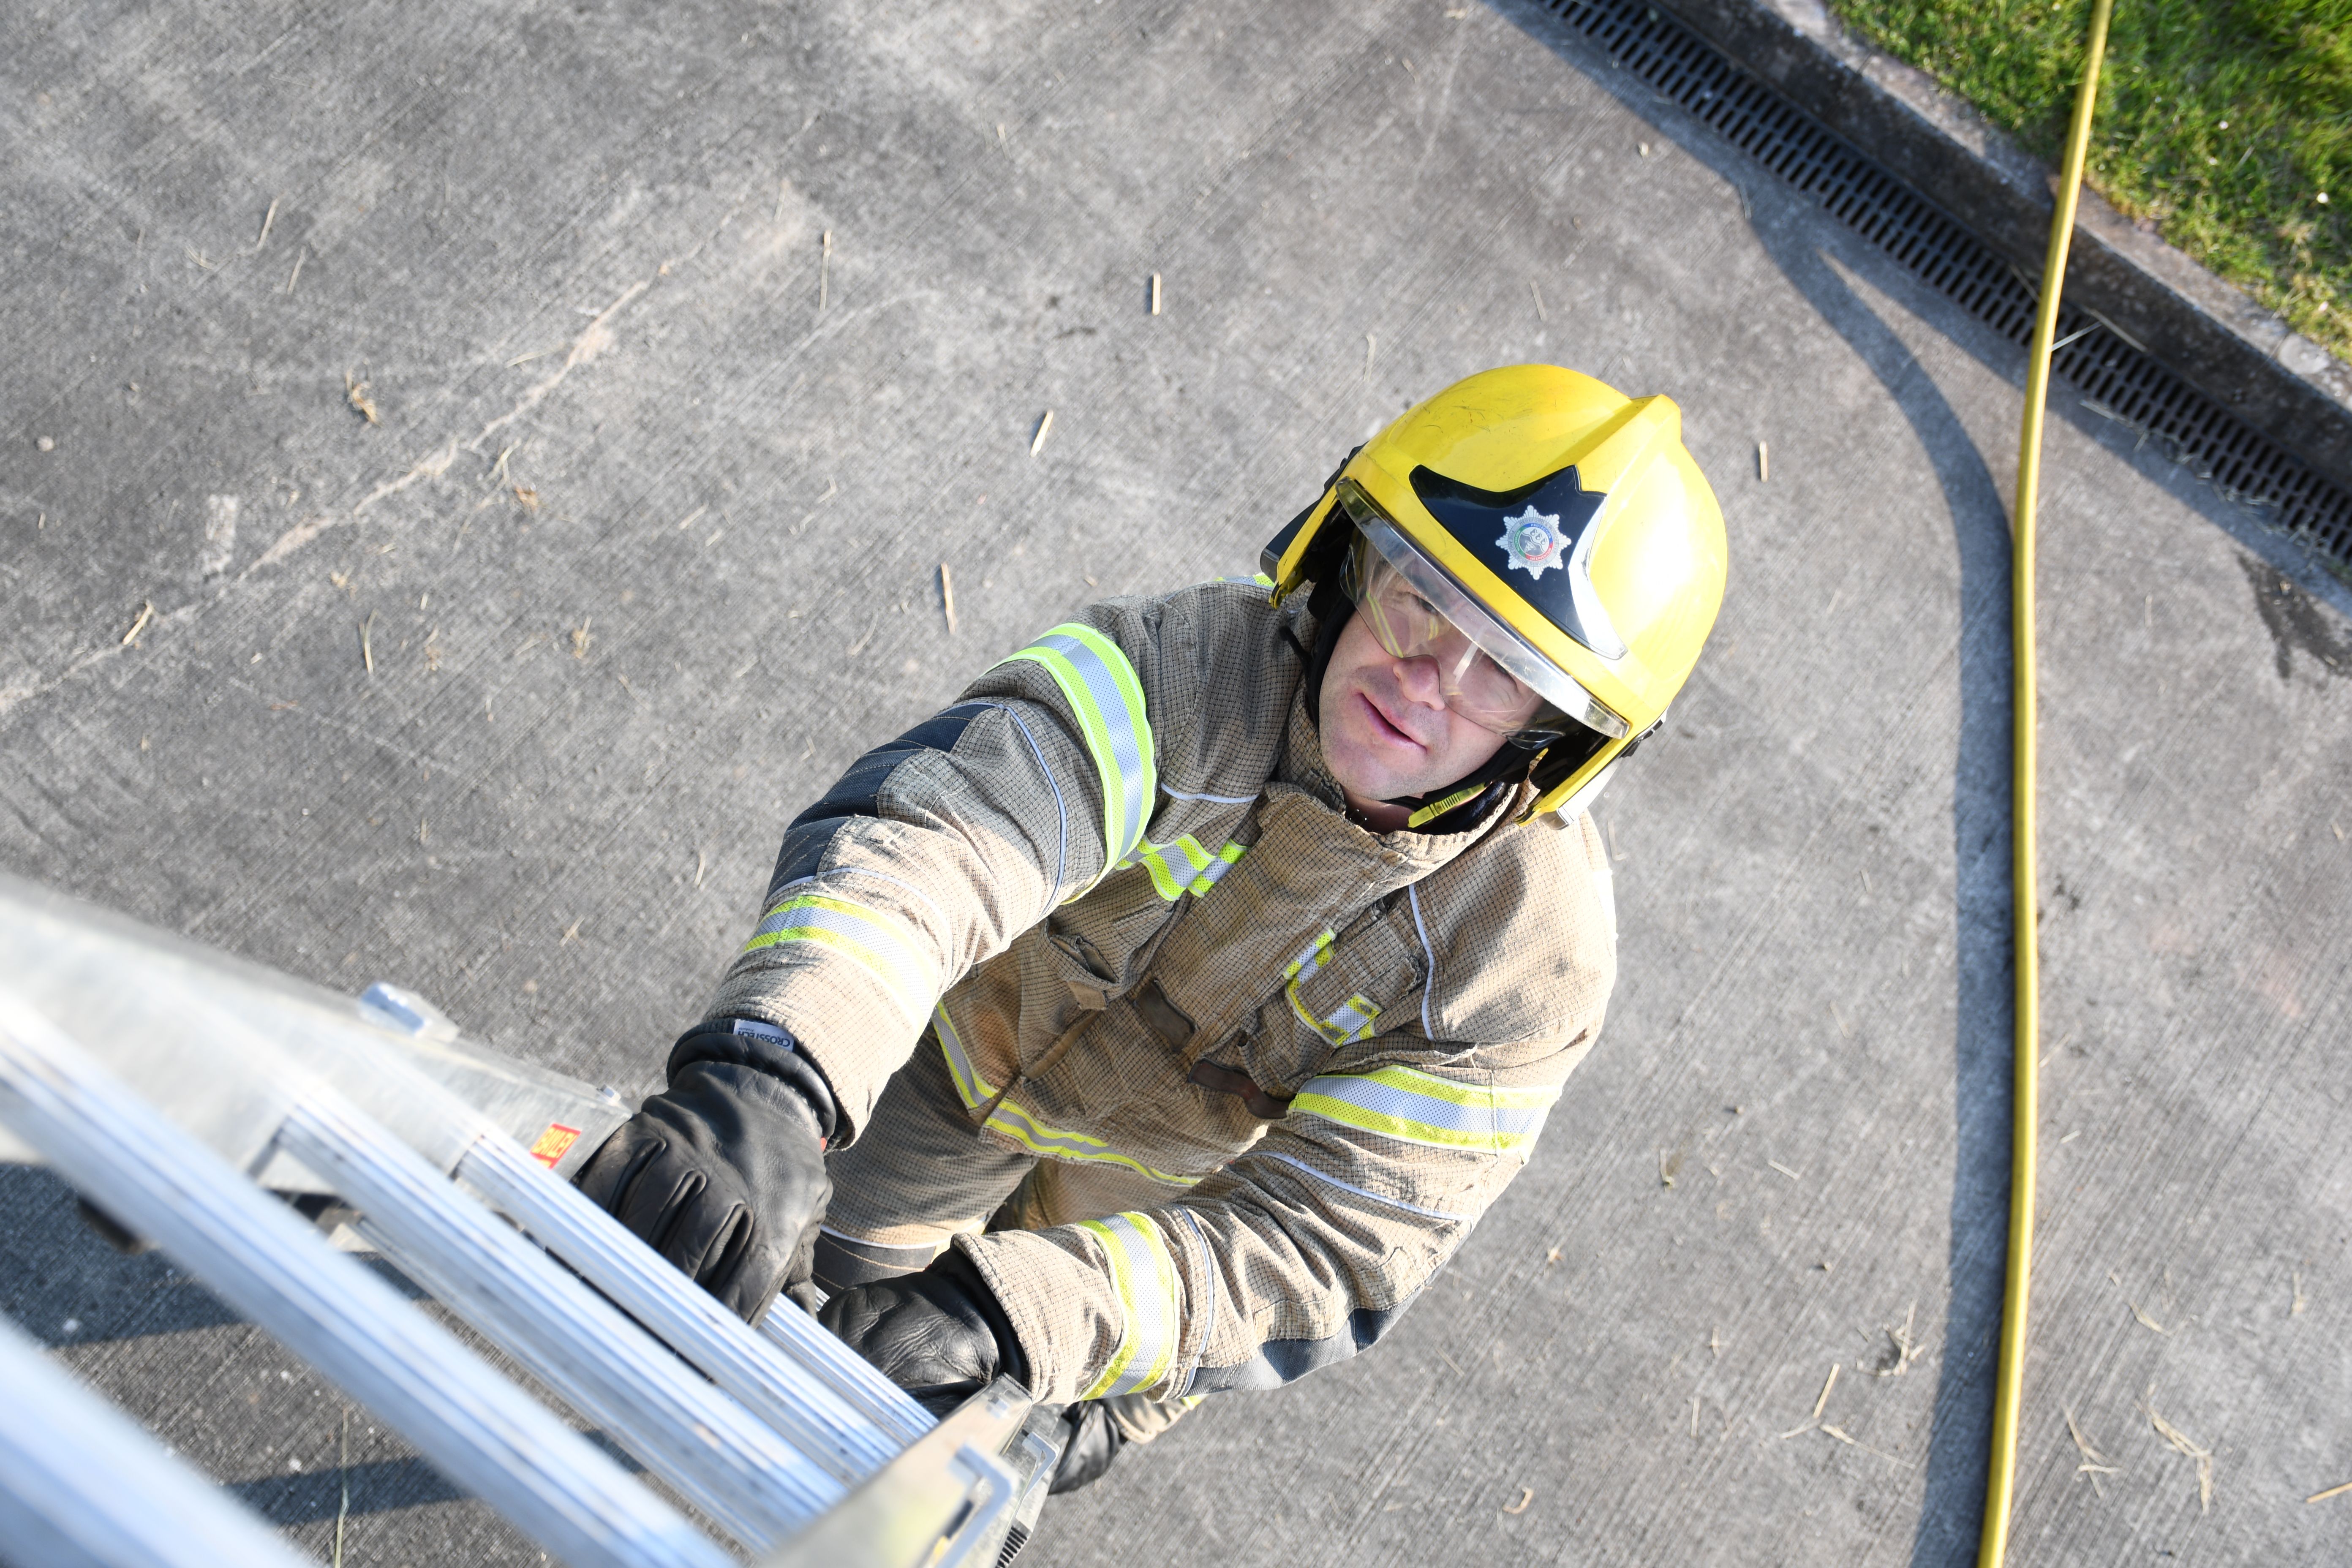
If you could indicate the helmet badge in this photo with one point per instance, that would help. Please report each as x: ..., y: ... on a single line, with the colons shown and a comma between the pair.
x: 1532, y: 542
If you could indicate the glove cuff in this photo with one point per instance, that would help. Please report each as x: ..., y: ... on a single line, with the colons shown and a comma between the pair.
x: 762, y: 1048
x: 1010, y: 1360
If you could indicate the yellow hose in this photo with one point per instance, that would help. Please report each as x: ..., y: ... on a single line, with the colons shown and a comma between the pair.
x: 2001, y: 1478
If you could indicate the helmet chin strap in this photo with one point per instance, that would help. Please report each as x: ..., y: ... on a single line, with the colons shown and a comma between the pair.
x: 1331, y: 608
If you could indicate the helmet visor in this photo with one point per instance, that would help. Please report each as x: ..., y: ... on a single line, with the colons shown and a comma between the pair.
x: 1488, y: 675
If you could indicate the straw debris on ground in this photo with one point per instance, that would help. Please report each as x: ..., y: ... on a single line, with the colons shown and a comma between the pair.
x: 1907, y: 1348
x: 2095, y: 1464
x: 2187, y: 1450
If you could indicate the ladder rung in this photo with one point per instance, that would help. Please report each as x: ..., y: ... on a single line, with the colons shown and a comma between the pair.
x: 257, y: 1255
x: 828, y: 1400
x: 734, y: 1468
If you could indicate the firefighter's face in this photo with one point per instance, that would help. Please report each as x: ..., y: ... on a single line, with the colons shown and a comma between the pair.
x: 1387, y: 729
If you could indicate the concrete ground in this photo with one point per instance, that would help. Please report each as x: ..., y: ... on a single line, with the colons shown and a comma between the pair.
x: 523, y: 506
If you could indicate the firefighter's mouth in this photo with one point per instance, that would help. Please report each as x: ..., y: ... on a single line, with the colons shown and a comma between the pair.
x: 1386, y: 728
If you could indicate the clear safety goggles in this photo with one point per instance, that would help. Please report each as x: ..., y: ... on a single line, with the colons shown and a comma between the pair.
x: 1487, y: 674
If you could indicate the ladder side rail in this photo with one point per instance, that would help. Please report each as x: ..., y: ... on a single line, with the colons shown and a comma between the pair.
x: 945, y: 1502
x: 350, y: 1056
x: 813, y: 1345
x: 115, y: 981
x: 475, y: 1428
x: 82, y: 1486
x: 135, y: 995
x: 835, y: 1407
x: 734, y: 1468
x: 1033, y: 1460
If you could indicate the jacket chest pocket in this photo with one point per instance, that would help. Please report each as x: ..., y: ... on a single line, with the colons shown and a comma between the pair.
x: 1103, y: 941
x: 1344, y: 990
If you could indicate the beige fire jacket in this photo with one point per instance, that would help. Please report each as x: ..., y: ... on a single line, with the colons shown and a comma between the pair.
x: 1114, y: 885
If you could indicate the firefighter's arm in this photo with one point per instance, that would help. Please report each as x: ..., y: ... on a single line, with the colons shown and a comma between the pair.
x: 935, y: 850
x: 1303, y: 1251
x: 931, y: 853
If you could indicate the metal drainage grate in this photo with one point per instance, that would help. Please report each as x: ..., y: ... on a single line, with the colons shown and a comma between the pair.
x: 2119, y: 381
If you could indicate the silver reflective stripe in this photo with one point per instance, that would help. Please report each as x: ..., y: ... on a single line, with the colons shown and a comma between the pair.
x: 1012, y: 1119
x: 1429, y: 984
x: 1421, y: 1108
x: 1214, y: 871
x: 1143, y: 1276
x: 1209, y: 1313
x: 1311, y: 958
x: 1350, y: 1021
x: 1344, y: 1025
x: 1106, y: 699
x: 1184, y: 867
x: 878, y: 943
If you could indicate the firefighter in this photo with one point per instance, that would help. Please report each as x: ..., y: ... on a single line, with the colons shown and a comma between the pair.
x: 1157, y: 1020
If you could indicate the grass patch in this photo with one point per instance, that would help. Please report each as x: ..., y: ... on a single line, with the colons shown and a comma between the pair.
x: 2225, y: 123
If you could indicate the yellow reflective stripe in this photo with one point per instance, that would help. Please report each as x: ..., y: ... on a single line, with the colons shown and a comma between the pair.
x: 1349, y: 1022
x: 1439, y: 807
x: 1214, y: 872
x: 1143, y: 1277
x: 1012, y: 1118
x: 1185, y: 865
x: 1310, y: 959
x: 869, y: 936
x: 1419, y: 1108
x: 974, y: 1089
x: 1104, y: 694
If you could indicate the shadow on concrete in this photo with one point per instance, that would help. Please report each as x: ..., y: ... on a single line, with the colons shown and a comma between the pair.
x: 1951, y: 1511
x: 377, y: 1488
x: 66, y: 1286
x: 58, y: 1273
x: 2292, y: 560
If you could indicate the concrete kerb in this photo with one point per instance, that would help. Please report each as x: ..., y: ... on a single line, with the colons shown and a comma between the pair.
x: 2208, y: 332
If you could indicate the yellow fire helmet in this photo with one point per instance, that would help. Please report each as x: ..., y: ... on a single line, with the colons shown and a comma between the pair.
x: 1562, y: 527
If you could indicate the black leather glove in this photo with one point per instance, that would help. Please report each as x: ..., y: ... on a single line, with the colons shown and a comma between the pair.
x: 1093, y: 1443
x: 723, y: 1172
x: 940, y: 1334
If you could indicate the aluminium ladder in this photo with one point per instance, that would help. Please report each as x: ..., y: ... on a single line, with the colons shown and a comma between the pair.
x: 275, y: 1128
